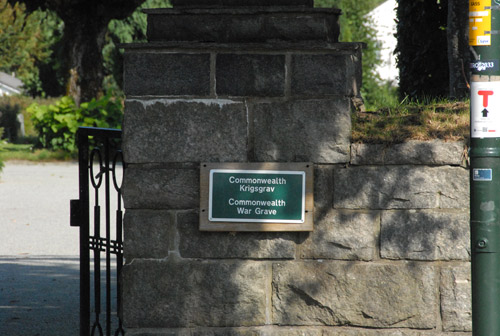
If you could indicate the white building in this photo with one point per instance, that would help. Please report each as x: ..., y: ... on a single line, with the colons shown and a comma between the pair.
x: 384, y: 20
x: 9, y: 85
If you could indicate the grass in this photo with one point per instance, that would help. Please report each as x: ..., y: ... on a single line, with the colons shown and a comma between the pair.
x: 446, y: 120
x: 27, y: 152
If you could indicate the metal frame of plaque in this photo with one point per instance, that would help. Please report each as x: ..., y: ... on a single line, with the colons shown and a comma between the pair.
x: 256, y: 196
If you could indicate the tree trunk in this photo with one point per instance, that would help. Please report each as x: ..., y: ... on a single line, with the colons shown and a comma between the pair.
x: 85, y: 27
x: 458, y: 50
x: 83, y: 42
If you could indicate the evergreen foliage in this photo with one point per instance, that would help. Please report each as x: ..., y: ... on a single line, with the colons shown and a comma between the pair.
x: 422, y: 48
x: 357, y: 26
x: 32, y: 46
x: 459, y: 52
x: 8, y: 121
x: 83, y: 38
x: 25, y: 42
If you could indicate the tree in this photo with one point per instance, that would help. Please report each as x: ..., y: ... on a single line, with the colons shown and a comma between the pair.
x: 25, y: 41
x: 433, y: 48
x: 85, y: 27
x: 458, y: 48
x: 422, y: 48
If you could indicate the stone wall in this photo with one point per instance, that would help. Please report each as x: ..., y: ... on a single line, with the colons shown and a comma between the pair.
x: 389, y: 254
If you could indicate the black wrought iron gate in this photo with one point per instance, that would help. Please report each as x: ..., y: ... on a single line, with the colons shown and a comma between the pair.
x: 100, y: 171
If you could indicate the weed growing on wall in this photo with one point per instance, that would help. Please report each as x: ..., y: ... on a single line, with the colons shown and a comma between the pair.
x: 57, y: 123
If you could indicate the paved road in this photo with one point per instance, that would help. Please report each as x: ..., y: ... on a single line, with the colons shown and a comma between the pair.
x: 34, y: 209
x: 39, y: 296
x: 39, y: 277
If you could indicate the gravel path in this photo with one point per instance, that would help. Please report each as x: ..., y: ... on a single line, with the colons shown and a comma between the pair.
x: 39, y: 272
x: 34, y: 209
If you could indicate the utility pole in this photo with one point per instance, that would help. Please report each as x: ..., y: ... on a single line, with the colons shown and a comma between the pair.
x: 484, y: 40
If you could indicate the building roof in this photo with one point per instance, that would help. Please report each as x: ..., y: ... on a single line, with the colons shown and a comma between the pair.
x: 10, y: 81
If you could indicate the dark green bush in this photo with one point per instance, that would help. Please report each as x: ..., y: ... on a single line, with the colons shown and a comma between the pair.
x: 422, y: 48
x: 57, y: 124
x: 20, y: 103
x: 9, y: 121
x: 1, y: 163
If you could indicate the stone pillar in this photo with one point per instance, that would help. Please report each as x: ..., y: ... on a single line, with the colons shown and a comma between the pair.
x: 228, y: 81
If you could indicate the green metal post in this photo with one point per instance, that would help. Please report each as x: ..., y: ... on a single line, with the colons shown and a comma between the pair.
x: 484, y: 38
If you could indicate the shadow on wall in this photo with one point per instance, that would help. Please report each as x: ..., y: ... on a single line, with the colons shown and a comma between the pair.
x: 415, y: 212
x: 424, y: 207
x: 404, y: 207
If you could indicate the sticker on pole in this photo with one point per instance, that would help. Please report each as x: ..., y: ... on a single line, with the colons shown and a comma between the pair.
x: 485, y: 110
x: 482, y: 174
x: 480, y: 22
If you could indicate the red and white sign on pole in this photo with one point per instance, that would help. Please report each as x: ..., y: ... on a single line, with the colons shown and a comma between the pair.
x: 485, y: 110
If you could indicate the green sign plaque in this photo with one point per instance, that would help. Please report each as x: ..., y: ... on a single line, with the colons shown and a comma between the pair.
x: 263, y: 196
x: 255, y: 196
